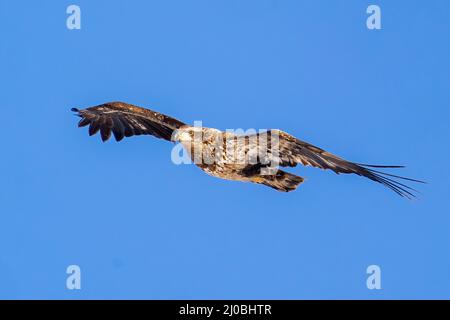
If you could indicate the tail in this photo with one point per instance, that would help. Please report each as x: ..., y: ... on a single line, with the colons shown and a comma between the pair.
x: 281, y: 181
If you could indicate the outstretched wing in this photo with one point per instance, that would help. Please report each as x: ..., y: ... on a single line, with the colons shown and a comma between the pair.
x: 289, y: 151
x: 125, y: 120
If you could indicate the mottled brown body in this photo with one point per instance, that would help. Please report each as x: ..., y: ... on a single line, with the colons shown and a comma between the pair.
x: 230, y: 156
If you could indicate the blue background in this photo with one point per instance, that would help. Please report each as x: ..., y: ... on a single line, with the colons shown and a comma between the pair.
x: 141, y: 227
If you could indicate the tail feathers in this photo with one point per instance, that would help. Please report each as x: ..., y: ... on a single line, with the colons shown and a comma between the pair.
x: 281, y: 181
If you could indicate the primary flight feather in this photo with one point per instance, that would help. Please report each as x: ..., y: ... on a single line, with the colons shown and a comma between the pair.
x: 231, y: 156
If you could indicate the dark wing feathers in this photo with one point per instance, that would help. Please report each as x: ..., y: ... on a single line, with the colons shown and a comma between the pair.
x: 292, y: 151
x: 125, y: 120
x: 118, y: 129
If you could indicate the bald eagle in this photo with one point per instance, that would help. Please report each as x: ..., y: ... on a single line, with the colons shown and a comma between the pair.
x: 232, y: 156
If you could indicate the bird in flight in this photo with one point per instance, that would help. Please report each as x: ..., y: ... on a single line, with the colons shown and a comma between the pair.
x: 254, y: 157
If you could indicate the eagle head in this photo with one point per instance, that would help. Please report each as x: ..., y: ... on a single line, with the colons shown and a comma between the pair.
x: 181, y: 135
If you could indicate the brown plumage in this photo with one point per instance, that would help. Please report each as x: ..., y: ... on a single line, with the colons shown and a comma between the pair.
x: 126, y: 120
x: 229, y: 156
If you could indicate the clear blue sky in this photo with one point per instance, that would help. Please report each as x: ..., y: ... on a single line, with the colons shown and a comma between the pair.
x: 141, y: 227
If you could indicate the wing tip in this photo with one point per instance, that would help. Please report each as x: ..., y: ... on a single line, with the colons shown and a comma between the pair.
x: 77, y: 112
x: 379, y: 166
x: 387, y: 180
